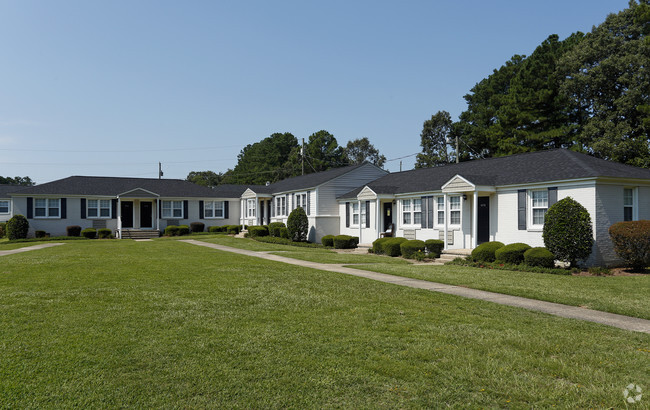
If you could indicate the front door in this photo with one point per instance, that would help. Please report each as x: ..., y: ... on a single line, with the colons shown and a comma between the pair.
x: 388, y: 215
x: 483, y: 221
x: 146, y: 217
x: 126, y: 210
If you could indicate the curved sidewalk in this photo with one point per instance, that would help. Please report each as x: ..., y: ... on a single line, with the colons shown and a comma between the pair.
x: 30, y: 248
x: 572, y: 312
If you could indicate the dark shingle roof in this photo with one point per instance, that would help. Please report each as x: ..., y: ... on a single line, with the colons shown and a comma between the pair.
x: 5, y: 190
x: 229, y: 190
x: 113, y: 186
x: 307, y: 181
x: 540, y: 166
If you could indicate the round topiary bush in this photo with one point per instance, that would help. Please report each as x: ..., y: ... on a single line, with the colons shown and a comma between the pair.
x: 90, y: 233
x: 378, y: 245
x: 233, y: 229
x: 410, y: 248
x: 392, y: 247
x: 215, y: 229
x: 73, y: 230
x: 344, y: 242
x: 632, y: 243
x: 298, y: 225
x: 256, y: 231
x: 197, y: 227
x: 512, y: 253
x: 275, y: 229
x: 171, y: 230
x: 434, y: 247
x: 284, y: 233
x: 104, y: 233
x: 183, y: 230
x: 568, y: 232
x: 17, y: 227
x: 327, y: 240
x: 539, y: 257
x: 485, y: 251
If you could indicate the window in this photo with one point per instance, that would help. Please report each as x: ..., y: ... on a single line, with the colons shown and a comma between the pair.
x: 417, y: 211
x: 213, y: 209
x: 280, y: 205
x: 539, y: 206
x: 4, y: 207
x: 301, y: 201
x: 355, y: 213
x: 454, y: 210
x: 99, y: 208
x: 47, y: 208
x: 172, y: 209
x: 406, y: 211
x: 363, y: 213
x: 440, y: 208
x: 250, y: 206
x: 628, y: 204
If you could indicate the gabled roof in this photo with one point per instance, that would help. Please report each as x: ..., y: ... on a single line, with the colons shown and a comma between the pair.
x: 528, y: 168
x: 229, y: 190
x: 6, y: 190
x: 113, y: 186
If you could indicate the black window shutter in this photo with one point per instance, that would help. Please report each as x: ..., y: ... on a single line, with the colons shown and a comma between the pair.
x: 114, y: 209
x: 309, y: 203
x: 160, y: 209
x: 552, y: 196
x: 286, y: 204
x: 293, y: 201
x: 274, y: 201
x: 423, y: 212
x: 185, y: 206
x: 367, y: 214
x: 83, y: 208
x: 225, y: 209
x: 347, y: 214
x: 30, y: 208
x: 430, y: 212
x: 64, y: 208
x: 521, y: 209
x: 201, y: 210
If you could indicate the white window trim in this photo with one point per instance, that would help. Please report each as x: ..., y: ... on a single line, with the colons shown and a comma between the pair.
x: 213, y: 208
x: 301, y: 200
x: 280, y: 204
x: 98, y: 208
x: 437, y: 212
x: 352, y: 213
x: 411, y: 212
x: 8, y: 201
x: 635, y: 203
x: 47, y: 209
x: 459, y: 210
x: 171, y: 209
x: 531, y: 225
x: 251, y: 208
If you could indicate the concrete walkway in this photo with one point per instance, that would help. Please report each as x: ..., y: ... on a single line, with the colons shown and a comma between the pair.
x: 572, y: 312
x: 30, y: 248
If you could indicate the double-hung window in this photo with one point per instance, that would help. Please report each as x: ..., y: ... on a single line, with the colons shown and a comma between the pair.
x: 412, y: 211
x: 99, y: 208
x: 5, y: 207
x: 454, y: 210
x: 250, y: 206
x: 628, y: 204
x: 172, y: 209
x: 47, y: 208
x: 301, y: 201
x: 213, y: 209
x: 355, y: 213
x: 539, y: 206
x: 440, y: 209
x: 281, y: 205
x: 417, y: 211
x: 406, y: 211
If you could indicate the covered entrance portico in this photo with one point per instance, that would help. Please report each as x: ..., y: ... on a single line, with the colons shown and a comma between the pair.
x: 138, y: 211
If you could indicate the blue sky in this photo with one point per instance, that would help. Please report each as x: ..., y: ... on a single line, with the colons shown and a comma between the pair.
x: 113, y: 87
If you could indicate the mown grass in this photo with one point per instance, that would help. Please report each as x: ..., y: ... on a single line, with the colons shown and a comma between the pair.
x: 626, y: 295
x: 168, y: 324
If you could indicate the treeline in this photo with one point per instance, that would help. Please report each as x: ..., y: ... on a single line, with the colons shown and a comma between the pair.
x: 280, y: 156
x: 588, y: 92
x: 23, y: 181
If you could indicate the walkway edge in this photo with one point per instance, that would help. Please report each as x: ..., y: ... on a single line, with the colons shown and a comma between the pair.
x: 30, y: 248
x: 556, y: 309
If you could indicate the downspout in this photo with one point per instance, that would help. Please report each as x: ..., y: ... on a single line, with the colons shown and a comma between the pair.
x: 474, y: 220
x: 445, y: 220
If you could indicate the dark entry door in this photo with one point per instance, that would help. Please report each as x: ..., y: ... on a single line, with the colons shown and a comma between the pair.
x: 483, y: 221
x: 388, y: 215
x: 127, y: 214
x: 146, y: 218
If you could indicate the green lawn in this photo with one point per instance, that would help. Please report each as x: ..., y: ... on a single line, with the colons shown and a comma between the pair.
x: 163, y: 323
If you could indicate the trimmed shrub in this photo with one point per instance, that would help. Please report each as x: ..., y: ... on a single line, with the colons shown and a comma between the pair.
x: 344, y: 242
x: 485, y: 251
x: 632, y: 243
x: 298, y: 225
x: 215, y: 229
x: 197, y: 227
x: 73, y: 230
x: 40, y: 234
x: 89, y: 233
x: 183, y: 230
x: 378, y: 245
x: 392, y: 247
x: 328, y: 240
x: 3, y: 229
x: 233, y: 229
x: 287, y: 241
x: 284, y: 233
x: 434, y: 247
x: 255, y: 231
x: 354, y: 242
x: 17, y: 227
x: 104, y: 233
x: 171, y: 230
x: 568, y: 232
x: 539, y: 257
x: 512, y: 253
x: 275, y: 229
x: 410, y: 248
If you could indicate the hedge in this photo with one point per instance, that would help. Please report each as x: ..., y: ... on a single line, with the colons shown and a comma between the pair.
x: 259, y: 230
x: 632, y: 243
x: 410, y: 248
x: 539, y: 257
x: 3, y: 229
x: 40, y: 234
x: 327, y: 240
x: 434, y: 247
x: 90, y: 233
x: 183, y: 230
x: 284, y: 233
x: 512, y: 253
x: 275, y: 229
x: 233, y: 229
x: 197, y: 227
x: 17, y: 227
x: 171, y: 230
x: 287, y: 241
x: 485, y: 251
x: 345, y: 242
x: 392, y: 247
x: 73, y: 230
x: 378, y: 245
x: 104, y: 233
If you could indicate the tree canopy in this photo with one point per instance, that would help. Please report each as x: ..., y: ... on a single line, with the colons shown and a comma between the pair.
x: 433, y: 139
x: 24, y: 181
x: 359, y: 150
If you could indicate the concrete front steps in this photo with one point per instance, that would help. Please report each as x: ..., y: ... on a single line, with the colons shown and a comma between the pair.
x: 140, y: 234
x: 451, y: 254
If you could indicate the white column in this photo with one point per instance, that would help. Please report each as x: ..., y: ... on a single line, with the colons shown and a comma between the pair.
x: 360, y: 222
x: 119, y: 217
x: 446, y: 218
x: 158, y: 214
x: 378, y: 218
x: 475, y: 220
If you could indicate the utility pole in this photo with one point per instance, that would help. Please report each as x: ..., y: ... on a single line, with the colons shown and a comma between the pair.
x: 160, y: 172
x: 400, y: 166
x: 302, y: 156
